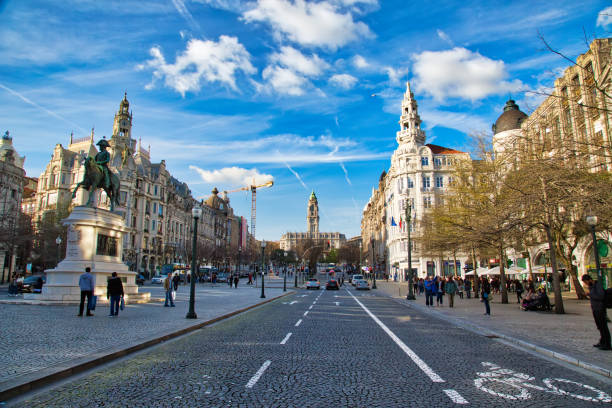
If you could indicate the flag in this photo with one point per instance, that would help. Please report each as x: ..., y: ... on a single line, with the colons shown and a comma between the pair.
x: 393, y: 224
x: 400, y: 222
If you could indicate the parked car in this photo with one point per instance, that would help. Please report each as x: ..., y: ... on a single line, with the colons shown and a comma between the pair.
x: 362, y: 285
x: 140, y: 279
x: 222, y: 277
x: 28, y: 284
x: 332, y: 284
x: 313, y: 284
x: 158, y: 280
x: 355, y: 278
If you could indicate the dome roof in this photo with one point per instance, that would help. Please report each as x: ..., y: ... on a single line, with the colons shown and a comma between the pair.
x: 510, y: 119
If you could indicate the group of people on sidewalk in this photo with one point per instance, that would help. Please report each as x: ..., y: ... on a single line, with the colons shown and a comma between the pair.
x: 114, y: 293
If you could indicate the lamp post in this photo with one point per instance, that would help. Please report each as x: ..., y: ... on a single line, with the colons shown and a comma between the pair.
x: 239, y: 260
x: 410, y: 295
x: 196, y: 212
x: 263, y: 266
x: 285, y: 277
x: 592, y: 221
x: 373, y: 264
x: 58, y: 241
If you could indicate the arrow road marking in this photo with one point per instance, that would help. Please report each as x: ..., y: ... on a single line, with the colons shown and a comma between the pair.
x: 417, y: 360
x: 258, y: 374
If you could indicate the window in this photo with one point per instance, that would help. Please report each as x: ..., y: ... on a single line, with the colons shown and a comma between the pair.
x: 133, y: 222
x: 154, y: 208
x: 427, y: 202
x: 437, y: 162
x: 426, y: 182
x: 424, y: 161
x: 153, y: 226
x: 410, y: 183
x: 155, y: 190
x: 161, y: 210
x: 439, y: 181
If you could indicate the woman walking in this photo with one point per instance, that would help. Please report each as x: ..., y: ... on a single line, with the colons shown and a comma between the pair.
x: 486, y: 294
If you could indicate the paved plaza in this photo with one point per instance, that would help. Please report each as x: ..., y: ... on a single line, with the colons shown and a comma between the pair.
x: 43, y: 339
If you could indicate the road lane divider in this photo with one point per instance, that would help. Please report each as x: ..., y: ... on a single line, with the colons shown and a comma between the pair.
x: 455, y: 397
x: 413, y: 356
x: 286, y: 338
x: 258, y: 374
x: 298, y: 323
x: 305, y: 313
x: 310, y: 307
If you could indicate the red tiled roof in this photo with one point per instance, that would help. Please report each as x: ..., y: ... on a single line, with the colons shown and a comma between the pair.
x: 435, y: 149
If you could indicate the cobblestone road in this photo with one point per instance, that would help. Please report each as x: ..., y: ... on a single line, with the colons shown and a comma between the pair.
x: 331, y: 349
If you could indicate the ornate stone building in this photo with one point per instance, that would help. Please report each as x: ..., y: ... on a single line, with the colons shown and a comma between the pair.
x: 155, y: 206
x: 419, y: 174
x: 12, y: 182
x: 329, y: 240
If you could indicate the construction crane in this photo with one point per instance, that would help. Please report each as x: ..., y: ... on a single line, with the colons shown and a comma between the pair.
x: 253, y: 189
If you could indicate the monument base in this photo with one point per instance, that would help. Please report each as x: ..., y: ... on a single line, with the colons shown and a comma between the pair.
x: 94, y: 240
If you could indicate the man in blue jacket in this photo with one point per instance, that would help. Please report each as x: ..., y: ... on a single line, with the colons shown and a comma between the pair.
x: 86, y: 283
x: 430, y: 290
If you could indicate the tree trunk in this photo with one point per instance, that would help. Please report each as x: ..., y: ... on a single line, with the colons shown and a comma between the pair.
x: 502, y: 276
x: 573, y: 271
x: 529, y: 266
x: 556, y: 283
x: 476, y: 282
x: 455, y: 263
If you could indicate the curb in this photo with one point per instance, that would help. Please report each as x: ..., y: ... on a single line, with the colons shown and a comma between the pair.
x: 54, y: 374
x: 521, y: 344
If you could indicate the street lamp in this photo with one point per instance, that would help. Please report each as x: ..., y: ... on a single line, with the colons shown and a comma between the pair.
x: 196, y: 212
x: 373, y: 263
x: 410, y: 295
x: 58, y: 241
x: 592, y: 221
x: 285, y: 277
x: 263, y: 265
x: 239, y: 259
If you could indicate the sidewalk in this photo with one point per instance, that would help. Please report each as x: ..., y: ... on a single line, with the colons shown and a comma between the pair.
x: 569, y: 337
x: 52, y: 342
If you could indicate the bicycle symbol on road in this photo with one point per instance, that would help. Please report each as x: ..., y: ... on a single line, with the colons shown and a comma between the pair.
x: 511, y: 385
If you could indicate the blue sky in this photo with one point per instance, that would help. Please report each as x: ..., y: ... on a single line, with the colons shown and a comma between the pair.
x: 305, y: 92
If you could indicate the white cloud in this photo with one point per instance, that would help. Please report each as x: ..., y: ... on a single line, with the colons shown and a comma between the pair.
x: 293, y: 59
x: 297, y: 176
x: 344, y: 81
x: 395, y: 74
x: 233, y: 176
x: 360, y: 62
x: 289, y: 71
x: 320, y: 24
x: 460, y: 73
x: 444, y: 37
x: 604, y: 18
x: 184, y: 12
x: 202, y: 61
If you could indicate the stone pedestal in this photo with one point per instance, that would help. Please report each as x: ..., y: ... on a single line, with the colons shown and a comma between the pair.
x: 95, y: 239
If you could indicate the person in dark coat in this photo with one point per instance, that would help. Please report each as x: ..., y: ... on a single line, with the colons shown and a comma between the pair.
x: 486, y: 294
x: 236, y: 280
x: 114, y: 291
x: 598, y: 306
x: 175, y: 281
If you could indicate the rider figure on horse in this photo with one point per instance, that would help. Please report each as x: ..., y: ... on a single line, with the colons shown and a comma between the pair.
x: 102, y: 160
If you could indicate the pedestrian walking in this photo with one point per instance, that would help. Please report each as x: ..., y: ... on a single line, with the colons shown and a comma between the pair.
x: 597, y: 295
x: 86, y: 283
x: 114, y: 292
x: 450, y: 287
x: 486, y: 294
x: 169, y: 286
x: 236, y: 280
x: 429, y: 290
x: 250, y: 282
x: 175, y: 281
x: 460, y: 288
x: 519, y: 291
x: 421, y: 286
x: 439, y: 291
x: 468, y: 288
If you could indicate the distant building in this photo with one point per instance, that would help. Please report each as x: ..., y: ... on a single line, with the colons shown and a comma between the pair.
x: 12, y: 182
x: 419, y: 174
x: 329, y: 240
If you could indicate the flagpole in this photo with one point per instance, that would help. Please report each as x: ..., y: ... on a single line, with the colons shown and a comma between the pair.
x: 410, y: 295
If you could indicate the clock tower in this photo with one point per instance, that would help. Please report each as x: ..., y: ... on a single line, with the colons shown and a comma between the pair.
x: 122, y: 126
x: 313, y: 215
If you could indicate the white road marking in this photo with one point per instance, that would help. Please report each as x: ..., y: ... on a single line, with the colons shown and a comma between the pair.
x: 295, y: 301
x: 286, y: 338
x: 455, y: 396
x: 258, y: 374
x: 417, y: 360
x: 303, y: 295
x: 337, y: 303
x: 305, y: 313
x: 298, y: 323
x: 310, y: 307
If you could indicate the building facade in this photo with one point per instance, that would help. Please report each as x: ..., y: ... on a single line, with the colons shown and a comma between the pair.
x: 330, y: 240
x: 155, y: 206
x: 419, y: 175
x: 12, y: 182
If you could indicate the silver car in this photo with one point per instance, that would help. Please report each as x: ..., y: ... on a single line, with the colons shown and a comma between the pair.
x: 313, y: 284
x: 362, y: 284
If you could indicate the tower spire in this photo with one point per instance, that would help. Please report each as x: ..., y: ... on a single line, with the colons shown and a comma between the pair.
x: 410, y: 121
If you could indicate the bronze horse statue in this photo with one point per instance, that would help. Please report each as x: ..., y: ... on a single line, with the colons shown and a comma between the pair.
x: 94, y: 179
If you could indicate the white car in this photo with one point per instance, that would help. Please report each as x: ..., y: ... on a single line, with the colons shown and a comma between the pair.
x: 158, y: 280
x: 355, y: 278
x: 362, y: 284
x: 313, y: 284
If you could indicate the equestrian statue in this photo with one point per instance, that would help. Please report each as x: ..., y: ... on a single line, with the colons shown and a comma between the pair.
x: 98, y: 175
